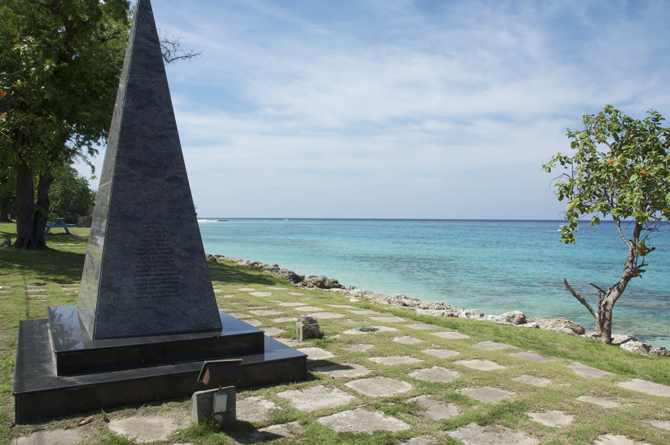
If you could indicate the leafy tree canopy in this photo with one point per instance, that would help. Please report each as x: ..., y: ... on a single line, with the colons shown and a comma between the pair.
x: 70, y: 195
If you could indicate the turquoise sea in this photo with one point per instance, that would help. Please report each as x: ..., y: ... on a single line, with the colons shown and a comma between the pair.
x: 496, y: 266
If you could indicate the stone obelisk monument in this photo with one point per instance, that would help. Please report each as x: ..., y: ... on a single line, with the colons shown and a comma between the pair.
x: 147, y: 316
x: 145, y: 270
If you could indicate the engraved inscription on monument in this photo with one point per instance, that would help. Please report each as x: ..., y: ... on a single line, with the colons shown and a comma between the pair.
x: 156, y: 274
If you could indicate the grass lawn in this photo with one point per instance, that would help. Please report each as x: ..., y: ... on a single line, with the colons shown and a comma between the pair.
x: 31, y: 281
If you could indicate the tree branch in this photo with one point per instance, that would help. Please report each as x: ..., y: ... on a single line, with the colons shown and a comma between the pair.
x: 618, y: 227
x: 580, y: 298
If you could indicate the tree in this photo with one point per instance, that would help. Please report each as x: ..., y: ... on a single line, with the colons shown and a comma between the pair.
x: 621, y: 168
x: 70, y: 195
x: 60, y: 62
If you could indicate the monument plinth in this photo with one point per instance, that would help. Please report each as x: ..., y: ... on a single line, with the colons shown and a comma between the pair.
x: 147, y: 316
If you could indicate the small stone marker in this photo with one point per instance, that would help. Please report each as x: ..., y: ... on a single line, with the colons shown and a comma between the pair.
x: 587, y: 371
x: 532, y: 380
x: 202, y: 403
x: 255, y: 409
x: 359, y: 348
x: 146, y: 429
x: 434, y: 409
x: 611, y: 439
x: 435, y: 374
x: 532, y: 356
x: 395, y: 360
x: 492, y: 346
x: 491, y: 435
x: 316, y: 353
x: 451, y: 335
x: 643, y: 386
x: 343, y: 370
x: 407, y: 340
x: 555, y: 419
x: 316, y: 397
x: 362, y: 421
x: 440, y: 353
x: 380, y: 386
x: 307, y: 327
x: 54, y: 437
x: 602, y: 401
x: 487, y: 394
x: 480, y: 365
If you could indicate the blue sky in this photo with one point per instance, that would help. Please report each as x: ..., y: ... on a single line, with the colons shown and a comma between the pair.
x: 400, y: 109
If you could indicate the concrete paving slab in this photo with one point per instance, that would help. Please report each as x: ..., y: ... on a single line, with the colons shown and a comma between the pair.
x: 643, y: 386
x: 272, y: 331
x: 380, y: 386
x: 434, y: 409
x: 422, y: 326
x: 474, y: 434
x: 316, y: 397
x: 480, y: 365
x: 146, y: 429
x: 662, y: 424
x: 290, y: 342
x: 343, y: 370
x: 395, y: 360
x: 342, y: 306
x: 348, y: 322
x: 260, y: 294
x: 328, y: 316
x: 421, y: 440
x: 266, y: 313
x: 316, y: 353
x: 285, y: 319
x: 435, y: 374
x: 69, y: 288
x: 451, y: 335
x: 407, y: 340
x: 587, y: 371
x: 297, y: 294
x: 290, y: 430
x: 486, y: 394
x: 602, y: 401
x: 294, y: 304
x: 532, y: 380
x: 253, y: 322
x: 276, y: 288
x: 355, y: 331
x: 359, y: 348
x: 554, y: 419
x: 366, y: 312
x: 492, y: 346
x: 308, y: 309
x: 362, y: 421
x: 440, y: 353
x: 247, y: 289
x: 532, y: 356
x: 388, y: 319
x: 54, y: 437
x: 611, y: 439
x: 255, y: 409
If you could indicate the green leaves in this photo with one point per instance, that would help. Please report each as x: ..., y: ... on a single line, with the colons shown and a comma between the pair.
x: 621, y: 167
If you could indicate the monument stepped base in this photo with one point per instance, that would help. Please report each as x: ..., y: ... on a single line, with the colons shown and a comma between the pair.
x: 40, y: 393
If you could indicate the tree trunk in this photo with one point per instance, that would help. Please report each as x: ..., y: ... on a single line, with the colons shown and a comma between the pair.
x: 42, y: 210
x: 25, y: 211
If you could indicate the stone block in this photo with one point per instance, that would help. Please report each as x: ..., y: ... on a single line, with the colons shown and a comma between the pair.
x: 307, y: 327
x: 202, y: 403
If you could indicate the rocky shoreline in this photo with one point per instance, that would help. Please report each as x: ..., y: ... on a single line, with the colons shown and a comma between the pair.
x: 440, y: 309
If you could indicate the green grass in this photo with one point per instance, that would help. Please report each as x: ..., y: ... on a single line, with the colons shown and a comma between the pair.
x: 63, y: 263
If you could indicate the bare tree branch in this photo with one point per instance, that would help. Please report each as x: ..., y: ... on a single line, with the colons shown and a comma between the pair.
x: 580, y: 298
x: 173, y: 51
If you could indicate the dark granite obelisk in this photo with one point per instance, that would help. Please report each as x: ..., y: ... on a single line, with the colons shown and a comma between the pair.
x: 145, y: 270
x: 147, y: 316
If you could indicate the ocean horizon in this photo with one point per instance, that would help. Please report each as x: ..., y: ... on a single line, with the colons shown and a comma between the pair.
x: 495, y: 265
